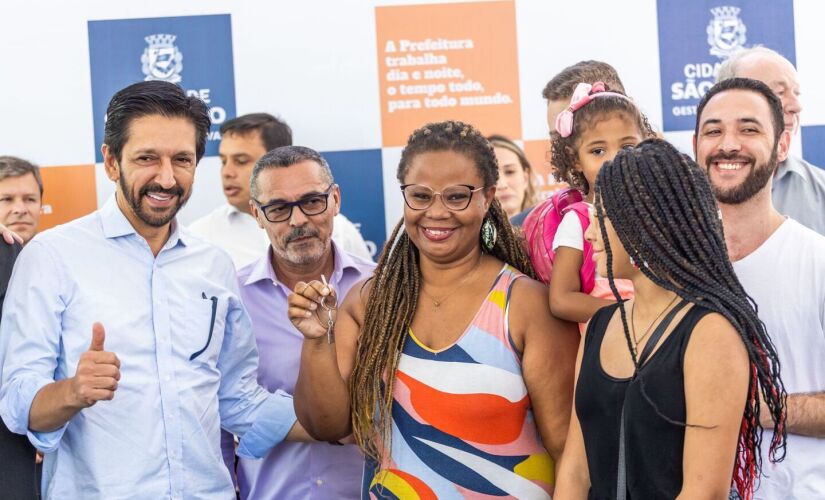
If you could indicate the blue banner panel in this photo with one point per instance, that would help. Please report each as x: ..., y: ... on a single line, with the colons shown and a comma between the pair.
x: 194, y: 52
x: 696, y: 37
x: 358, y: 173
x: 813, y: 145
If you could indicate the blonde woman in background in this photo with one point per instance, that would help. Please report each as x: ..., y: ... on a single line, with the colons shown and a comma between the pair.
x: 514, y: 189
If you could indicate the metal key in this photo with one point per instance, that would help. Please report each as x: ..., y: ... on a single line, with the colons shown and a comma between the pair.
x: 330, y: 309
x: 330, y: 324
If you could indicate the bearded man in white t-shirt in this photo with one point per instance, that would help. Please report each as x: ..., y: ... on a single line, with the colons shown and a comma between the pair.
x: 739, y: 139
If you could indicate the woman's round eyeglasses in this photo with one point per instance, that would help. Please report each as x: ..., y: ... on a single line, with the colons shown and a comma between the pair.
x: 455, y: 198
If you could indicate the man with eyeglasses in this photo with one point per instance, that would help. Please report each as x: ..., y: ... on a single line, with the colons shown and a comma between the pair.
x: 244, y: 140
x: 294, y: 199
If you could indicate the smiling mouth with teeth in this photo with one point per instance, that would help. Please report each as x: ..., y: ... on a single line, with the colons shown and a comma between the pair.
x: 729, y: 166
x: 158, y: 200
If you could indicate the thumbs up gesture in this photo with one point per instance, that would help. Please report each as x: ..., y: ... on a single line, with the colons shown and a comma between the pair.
x: 98, y: 372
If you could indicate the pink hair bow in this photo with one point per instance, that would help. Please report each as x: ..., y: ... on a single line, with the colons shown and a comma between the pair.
x: 583, y: 94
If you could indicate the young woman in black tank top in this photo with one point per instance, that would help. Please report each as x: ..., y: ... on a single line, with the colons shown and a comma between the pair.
x: 668, y: 385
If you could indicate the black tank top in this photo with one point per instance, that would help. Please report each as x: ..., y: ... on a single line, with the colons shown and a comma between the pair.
x: 653, y: 445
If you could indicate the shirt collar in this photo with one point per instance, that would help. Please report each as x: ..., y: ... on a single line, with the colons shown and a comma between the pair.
x: 343, y: 262
x: 262, y: 269
x: 115, y: 224
x: 791, y: 164
x: 232, y: 211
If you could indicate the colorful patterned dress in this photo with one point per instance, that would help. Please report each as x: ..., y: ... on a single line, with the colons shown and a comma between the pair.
x: 462, y: 420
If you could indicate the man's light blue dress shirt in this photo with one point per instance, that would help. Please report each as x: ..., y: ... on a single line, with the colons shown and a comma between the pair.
x: 798, y: 191
x: 187, y: 353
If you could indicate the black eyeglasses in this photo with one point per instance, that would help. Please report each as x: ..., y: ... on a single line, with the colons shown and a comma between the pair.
x: 455, y: 198
x: 280, y: 211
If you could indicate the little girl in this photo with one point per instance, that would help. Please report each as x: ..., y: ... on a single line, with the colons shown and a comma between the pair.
x: 597, y: 125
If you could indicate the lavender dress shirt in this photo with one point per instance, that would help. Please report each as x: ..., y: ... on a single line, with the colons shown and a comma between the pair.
x: 294, y: 470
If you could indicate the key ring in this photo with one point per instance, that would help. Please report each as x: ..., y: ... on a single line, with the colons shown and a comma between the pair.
x: 324, y: 303
x: 324, y: 298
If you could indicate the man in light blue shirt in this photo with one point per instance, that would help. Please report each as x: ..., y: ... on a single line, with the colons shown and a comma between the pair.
x: 124, y: 344
x: 799, y: 191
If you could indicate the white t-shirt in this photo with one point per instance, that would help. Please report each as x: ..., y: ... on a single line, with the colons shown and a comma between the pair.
x: 569, y: 233
x: 239, y: 234
x: 786, y: 278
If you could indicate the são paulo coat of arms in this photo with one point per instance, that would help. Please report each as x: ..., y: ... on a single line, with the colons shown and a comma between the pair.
x: 726, y: 31
x: 161, y: 59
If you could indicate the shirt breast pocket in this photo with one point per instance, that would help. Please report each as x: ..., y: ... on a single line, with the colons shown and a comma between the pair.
x: 206, y: 318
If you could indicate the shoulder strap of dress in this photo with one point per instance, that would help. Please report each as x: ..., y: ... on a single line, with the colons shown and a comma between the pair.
x: 621, y: 479
x: 659, y: 331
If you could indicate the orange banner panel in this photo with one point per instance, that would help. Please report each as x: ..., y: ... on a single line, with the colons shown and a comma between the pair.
x: 68, y: 193
x: 537, y: 153
x: 448, y: 62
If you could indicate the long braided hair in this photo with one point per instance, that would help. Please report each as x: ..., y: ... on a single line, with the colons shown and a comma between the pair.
x: 396, y: 284
x: 664, y: 212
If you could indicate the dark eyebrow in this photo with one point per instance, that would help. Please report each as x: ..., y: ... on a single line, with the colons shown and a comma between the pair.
x: 155, y: 152
x: 748, y: 119
x: 593, y: 143
x: 302, y: 198
x: 145, y: 151
x: 711, y: 121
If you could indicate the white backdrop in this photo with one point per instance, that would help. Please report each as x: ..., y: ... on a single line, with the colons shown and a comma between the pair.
x: 314, y: 64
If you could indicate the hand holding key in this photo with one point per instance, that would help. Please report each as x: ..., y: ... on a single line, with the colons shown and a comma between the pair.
x: 313, y: 309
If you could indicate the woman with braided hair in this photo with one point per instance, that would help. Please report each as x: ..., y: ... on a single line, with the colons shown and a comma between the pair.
x: 668, y: 388
x: 446, y: 367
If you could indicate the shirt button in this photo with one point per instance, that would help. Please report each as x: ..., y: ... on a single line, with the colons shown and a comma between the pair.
x: 319, y: 482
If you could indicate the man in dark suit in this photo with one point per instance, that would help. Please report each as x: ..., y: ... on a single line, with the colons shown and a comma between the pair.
x: 19, y: 478
x: 21, y: 195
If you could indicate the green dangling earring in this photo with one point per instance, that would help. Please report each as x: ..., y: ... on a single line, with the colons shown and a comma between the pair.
x: 488, y: 235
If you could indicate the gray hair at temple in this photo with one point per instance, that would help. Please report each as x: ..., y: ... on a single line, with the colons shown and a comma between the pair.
x: 11, y: 166
x: 728, y: 68
x: 287, y: 156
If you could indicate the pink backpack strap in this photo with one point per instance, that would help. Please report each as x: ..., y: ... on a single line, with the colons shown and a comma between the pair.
x: 543, y: 219
x: 540, y: 228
